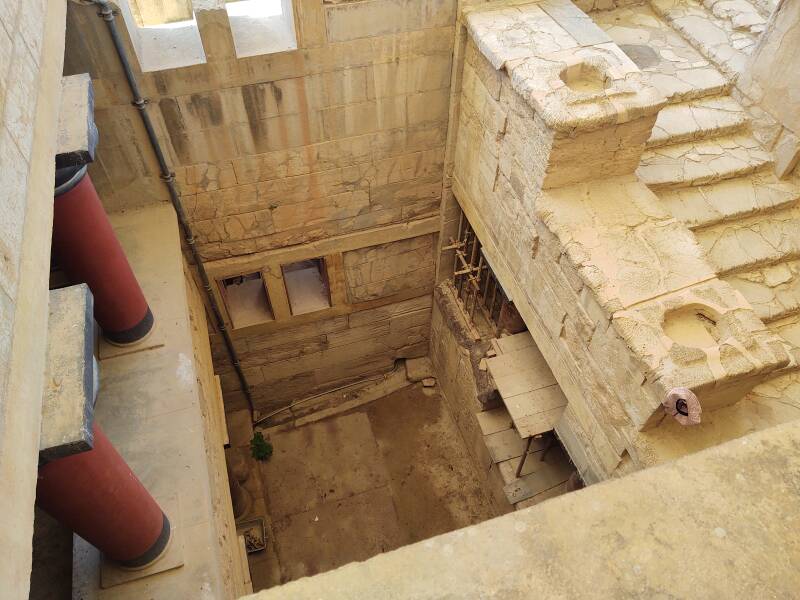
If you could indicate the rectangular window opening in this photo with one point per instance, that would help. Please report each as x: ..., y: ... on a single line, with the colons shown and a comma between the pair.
x: 261, y: 26
x: 307, y: 286
x: 165, y: 35
x: 247, y: 300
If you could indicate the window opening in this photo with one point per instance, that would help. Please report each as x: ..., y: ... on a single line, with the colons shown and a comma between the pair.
x: 307, y: 286
x: 247, y: 299
x: 164, y: 35
x: 261, y: 26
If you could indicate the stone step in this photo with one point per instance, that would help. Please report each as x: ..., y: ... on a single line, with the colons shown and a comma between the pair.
x: 742, y: 15
x: 700, y: 119
x: 752, y: 242
x: 668, y: 62
x: 773, y: 290
x: 715, y: 37
x: 702, y: 162
x: 728, y: 200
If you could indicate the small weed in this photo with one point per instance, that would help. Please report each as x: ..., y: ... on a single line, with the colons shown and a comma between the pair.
x: 260, y: 448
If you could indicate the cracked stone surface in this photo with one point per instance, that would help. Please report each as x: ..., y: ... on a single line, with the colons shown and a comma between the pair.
x: 696, y: 120
x: 753, y: 241
x: 773, y: 291
x: 705, y: 205
x: 725, y: 41
x: 705, y: 161
x: 629, y: 251
x: 668, y: 62
x: 546, y: 49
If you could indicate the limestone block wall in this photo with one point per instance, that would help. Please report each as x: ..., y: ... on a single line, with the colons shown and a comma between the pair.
x: 31, y: 53
x: 380, y: 312
x: 334, y: 151
x: 599, y: 271
x: 456, y: 352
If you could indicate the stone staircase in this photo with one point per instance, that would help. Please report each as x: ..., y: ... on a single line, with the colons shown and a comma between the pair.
x: 708, y: 168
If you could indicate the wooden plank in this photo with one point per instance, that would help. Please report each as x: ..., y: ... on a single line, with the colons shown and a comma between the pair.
x: 494, y: 420
x: 523, y: 381
x: 536, y: 412
x: 507, y: 444
x: 535, y: 483
x: 524, y: 359
x: 533, y: 463
x: 510, y: 343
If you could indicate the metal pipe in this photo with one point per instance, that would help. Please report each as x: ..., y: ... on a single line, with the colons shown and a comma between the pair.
x: 107, y: 14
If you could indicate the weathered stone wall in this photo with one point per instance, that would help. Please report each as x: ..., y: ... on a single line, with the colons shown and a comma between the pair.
x: 595, y: 265
x: 334, y: 150
x: 31, y: 51
x: 227, y: 552
x: 771, y: 81
x: 456, y: 352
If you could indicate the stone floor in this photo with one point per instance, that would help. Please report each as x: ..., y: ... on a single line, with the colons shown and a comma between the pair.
x: 390, y: 473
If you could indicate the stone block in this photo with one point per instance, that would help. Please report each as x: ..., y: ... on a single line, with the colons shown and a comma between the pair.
x: 705, y: 337
x: 77, y: 133
x: 71, y: 378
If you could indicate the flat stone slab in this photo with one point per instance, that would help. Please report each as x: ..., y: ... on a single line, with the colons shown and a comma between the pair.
x: 68, y: 403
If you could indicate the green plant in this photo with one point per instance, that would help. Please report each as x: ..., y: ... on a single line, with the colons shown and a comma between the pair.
x: 260, y: 448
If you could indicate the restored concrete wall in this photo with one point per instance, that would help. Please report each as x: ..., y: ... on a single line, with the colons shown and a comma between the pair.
x: 31, y: 53
x: 334, y: 151
x: 718, y: 524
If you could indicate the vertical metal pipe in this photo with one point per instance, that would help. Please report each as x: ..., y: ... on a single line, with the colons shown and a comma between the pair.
x: 107, y: 14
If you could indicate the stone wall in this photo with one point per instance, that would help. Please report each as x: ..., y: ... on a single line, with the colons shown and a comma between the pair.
x: 597, y: 268
x: 456, y: 352
x: 334, y: 150
x: 31, y: 51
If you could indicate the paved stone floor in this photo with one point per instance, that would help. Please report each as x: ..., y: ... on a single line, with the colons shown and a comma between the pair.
x: 390, y: 473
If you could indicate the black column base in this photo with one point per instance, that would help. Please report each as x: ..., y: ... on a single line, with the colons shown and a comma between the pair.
x: 154, y: 552
x: 133, y: 335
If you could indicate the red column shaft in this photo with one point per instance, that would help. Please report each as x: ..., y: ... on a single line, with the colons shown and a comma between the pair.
x: 96, y: 494
x: 88, y: 250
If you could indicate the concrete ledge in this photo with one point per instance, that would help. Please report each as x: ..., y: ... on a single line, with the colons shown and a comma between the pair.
x: 718, y: 524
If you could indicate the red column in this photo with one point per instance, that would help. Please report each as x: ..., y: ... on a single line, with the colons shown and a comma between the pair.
x: 96, y: 494
x: 88, y: 250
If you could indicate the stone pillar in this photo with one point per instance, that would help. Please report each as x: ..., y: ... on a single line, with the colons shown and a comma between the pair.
x: 97, y: 495
x: 88, y: 250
